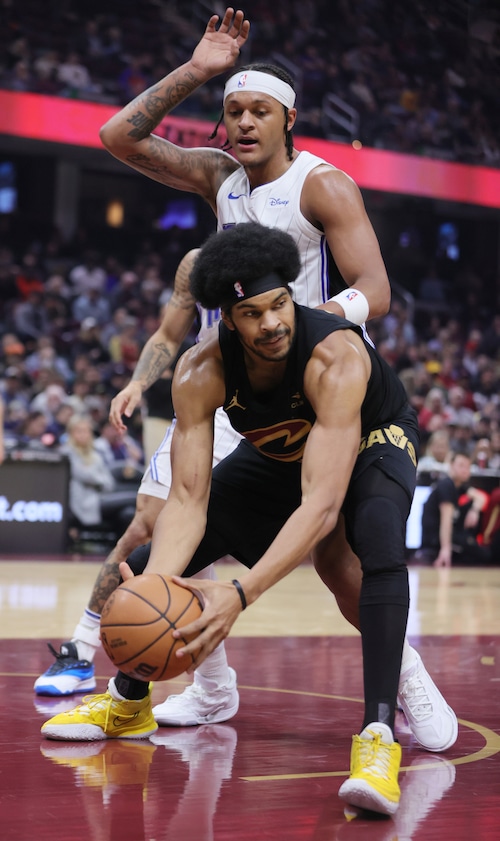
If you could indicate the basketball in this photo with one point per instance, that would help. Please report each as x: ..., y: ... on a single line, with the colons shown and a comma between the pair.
x: 137, y: 622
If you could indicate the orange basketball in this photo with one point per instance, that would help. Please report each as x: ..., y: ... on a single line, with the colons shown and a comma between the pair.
x: 137, y: 622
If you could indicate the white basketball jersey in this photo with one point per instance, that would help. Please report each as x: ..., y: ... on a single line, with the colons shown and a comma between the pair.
x: 277, y: 205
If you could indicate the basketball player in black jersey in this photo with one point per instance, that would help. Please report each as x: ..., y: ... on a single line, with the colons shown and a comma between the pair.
x: 327, y: 427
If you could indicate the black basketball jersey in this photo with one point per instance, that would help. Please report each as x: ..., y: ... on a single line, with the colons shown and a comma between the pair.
x: 278, y: 423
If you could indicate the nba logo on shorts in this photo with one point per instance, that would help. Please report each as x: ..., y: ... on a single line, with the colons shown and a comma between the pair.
x: 351, y: 295
x: 242, y: 80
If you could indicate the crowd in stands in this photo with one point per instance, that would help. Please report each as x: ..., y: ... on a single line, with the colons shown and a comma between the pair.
x: 73, y: 323
x: 422, y: 78
x: 73, y: 320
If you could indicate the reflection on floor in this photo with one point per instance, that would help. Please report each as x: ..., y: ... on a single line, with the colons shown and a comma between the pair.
x: 273, y: 771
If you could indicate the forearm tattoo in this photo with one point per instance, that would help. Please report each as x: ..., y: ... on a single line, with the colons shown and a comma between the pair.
x: 153, y: 107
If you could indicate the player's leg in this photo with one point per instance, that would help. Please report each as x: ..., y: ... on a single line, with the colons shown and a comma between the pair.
x: 431, y: 720
x: 73, y: 669
x: 376, y: 510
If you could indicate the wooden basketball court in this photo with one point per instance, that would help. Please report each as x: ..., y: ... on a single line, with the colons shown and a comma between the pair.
x: 273, y: 771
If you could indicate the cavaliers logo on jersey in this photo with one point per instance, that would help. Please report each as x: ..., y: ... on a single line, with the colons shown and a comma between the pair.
x: 284, y: 441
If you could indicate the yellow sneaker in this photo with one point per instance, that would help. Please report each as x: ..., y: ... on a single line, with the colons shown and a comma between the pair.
x: 375, y: 761
x: 103, y: 717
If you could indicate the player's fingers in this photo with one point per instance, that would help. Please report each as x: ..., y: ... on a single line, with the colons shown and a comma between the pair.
x: 125, y: 571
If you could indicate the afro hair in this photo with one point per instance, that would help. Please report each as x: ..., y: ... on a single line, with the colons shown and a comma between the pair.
x: 244, y: 252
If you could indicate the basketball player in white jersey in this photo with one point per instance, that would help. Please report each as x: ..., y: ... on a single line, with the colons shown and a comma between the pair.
x: 269, y: 181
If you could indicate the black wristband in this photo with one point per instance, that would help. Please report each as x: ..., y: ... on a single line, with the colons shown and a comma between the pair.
x: 241, y: 593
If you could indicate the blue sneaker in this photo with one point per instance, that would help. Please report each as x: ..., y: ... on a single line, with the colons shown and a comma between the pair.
x: 67, y: 675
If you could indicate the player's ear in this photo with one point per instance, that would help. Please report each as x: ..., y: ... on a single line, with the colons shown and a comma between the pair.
x: 292, y: 116
x: 226, y: 318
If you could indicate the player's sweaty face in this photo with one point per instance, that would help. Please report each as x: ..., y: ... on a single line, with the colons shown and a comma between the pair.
x: 265, y: 324
x: 254, y: 124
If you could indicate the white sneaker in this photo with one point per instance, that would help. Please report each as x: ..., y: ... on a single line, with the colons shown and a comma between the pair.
x: 431, y: 720
x: 197, y: 706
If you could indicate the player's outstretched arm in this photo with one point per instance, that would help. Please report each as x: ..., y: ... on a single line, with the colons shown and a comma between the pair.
x: 128, y: 135
x: 162, y: 347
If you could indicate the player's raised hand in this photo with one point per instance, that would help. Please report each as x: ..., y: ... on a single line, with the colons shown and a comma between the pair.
x: 219, y: 48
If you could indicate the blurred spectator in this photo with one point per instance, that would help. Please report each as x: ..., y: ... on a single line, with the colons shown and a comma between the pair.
x: 134, y: 78
x: 93, y: 305
x: 15, y: 386
x: 88, y: 274
x: 74, y: 77
x: 89, y: 474
x: 456, y: 411
x: 115, y: 447
x: 436, y: 457
x: 32, y: 433
x: 433, y: 414
x: 45, y: 358
x: 29, y: 277
x: 481, y: 455
x: 88, y: 342
x: 461, y: 437
x: 30, y: 319
x: 125, y: 346
x: 49, y: 401
x: 451, y: 519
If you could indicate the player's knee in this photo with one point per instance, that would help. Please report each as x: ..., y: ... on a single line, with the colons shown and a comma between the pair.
x: 138, y: 559
x: 378, y: 535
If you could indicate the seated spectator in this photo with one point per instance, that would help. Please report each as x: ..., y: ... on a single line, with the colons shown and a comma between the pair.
x: 89, y: 474
x: 451, y: 519
x: 115, y: 447
x: 74, y: 77
x: 125, y: 346
x: 457, y: 413
x: 91, y: 304
x: 32, y: 432
x: 481, y: 455
x: 49, y: 401
x: 88, y: 342
x: 46, y: 358
x: 433, y: 416
x: 30, y: 318
x: 461, y: 437
x: 436, y: 459
x: 88, y: 273
x: 16, y: 386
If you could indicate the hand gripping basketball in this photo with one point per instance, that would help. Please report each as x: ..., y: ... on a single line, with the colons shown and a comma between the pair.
x: 137, y: 623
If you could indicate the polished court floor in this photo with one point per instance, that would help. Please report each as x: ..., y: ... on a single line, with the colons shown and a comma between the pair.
x: 274, y: 770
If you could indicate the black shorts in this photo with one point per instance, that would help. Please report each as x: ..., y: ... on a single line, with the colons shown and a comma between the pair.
x: 252, y: 496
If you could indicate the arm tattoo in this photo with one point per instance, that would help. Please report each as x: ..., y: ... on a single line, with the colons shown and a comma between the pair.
x: 152, y: 363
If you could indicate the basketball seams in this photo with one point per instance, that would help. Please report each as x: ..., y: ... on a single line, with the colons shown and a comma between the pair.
x: 143, y: 646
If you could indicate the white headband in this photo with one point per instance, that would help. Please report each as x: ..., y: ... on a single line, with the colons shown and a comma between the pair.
x: 257, y: 82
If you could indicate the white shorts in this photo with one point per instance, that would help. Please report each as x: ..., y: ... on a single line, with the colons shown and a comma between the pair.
x: 158, y: 475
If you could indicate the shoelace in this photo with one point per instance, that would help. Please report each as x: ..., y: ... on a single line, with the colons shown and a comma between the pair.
x: 62, y: 661
x: 413, y: 692
x: 101, y: 702
x: 375, y: 755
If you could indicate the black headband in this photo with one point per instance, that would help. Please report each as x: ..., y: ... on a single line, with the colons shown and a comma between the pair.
x: 241, y: 290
